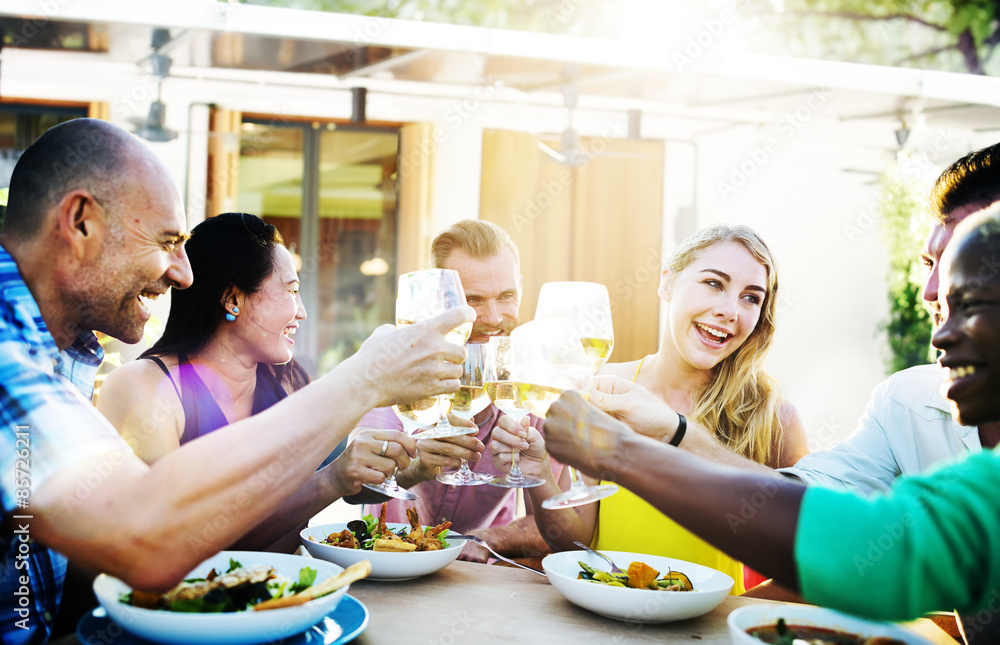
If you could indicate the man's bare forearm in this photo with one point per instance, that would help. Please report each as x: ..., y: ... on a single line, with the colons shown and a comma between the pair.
x: 157, y: 522
x: 698, y: 441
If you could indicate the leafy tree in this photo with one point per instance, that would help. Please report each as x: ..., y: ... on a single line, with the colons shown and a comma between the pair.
x: 951, y: 35
x: 904, y: 217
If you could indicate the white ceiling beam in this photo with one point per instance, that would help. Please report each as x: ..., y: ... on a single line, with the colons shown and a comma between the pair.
x: 363, y: 31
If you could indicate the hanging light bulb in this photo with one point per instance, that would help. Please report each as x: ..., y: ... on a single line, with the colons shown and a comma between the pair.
x: 375, y: 265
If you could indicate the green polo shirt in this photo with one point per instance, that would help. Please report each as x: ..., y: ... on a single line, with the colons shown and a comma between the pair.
x: 932, y: 543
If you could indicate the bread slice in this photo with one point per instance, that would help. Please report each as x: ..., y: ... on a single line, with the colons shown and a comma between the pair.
x: 353, y: 573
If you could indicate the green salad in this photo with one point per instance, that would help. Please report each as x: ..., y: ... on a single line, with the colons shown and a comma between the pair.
x: 239, y: 588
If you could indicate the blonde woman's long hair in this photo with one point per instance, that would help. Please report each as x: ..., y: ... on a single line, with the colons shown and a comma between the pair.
x: 742, y: 401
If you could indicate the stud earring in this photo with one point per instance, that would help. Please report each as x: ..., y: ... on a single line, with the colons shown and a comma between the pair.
x: 232, y: 316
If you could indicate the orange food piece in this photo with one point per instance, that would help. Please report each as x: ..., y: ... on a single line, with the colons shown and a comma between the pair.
x: 642, y: 576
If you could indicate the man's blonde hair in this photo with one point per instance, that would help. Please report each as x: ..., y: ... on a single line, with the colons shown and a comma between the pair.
x: 476, y: 238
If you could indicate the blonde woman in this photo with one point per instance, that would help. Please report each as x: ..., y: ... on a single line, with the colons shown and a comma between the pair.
x: 721, y: 289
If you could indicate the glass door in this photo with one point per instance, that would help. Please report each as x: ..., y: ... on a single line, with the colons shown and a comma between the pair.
x: 331, y: 191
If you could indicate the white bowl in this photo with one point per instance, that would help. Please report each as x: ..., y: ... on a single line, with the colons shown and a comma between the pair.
x: 764, y: 614
x: 386, y: 565
x: 637, y: 605
x: 238, y: 628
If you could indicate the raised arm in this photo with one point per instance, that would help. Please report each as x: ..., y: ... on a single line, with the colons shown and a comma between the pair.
x: 648, y: 415
x: 151, y: 524
x: 869, y: 557
x: 866, y: 462
x: 751, y: 517
x: 360, y: 463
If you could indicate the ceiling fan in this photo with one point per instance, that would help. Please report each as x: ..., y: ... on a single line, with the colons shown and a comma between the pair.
x: 152, y: 127
x: 573, y: 152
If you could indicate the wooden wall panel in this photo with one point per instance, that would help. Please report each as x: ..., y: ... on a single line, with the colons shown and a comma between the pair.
x: 598, y: 222
x: 99, y: 110
x: 531, y: 197
x: 416, y: 197
x: 617, y: 233
x: 223, y: 161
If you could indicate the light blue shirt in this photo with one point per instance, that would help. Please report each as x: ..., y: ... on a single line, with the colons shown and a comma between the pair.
x: 906, y: 428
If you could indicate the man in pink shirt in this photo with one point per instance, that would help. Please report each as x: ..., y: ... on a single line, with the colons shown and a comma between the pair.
x: 489, y: 265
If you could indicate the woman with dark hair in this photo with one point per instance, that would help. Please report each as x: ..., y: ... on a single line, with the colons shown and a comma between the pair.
x: 225, y: 355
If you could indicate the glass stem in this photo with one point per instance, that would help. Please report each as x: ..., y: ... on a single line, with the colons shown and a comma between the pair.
x: 443, y: 400
x: 515, y: 468
x: 390, y: 481
x: 574, y: 478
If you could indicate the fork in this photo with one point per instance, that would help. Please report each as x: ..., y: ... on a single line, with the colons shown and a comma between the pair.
x: 614, y: 567
x: 481, y: 542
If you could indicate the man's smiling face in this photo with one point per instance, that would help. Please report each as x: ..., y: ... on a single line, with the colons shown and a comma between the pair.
x: 493, y: 288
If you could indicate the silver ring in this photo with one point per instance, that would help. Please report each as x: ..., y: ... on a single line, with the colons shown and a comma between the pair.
x: 385, y: 445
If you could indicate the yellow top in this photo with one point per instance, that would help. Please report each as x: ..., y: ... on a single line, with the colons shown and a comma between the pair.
x: 626, y: 522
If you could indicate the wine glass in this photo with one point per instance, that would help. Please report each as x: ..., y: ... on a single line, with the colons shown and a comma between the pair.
x: 588, y: 307
x: 414, y: 416
x: 547, y: 359
x: 469, y: 401
x: 500, y: 389
x: 426, y: 294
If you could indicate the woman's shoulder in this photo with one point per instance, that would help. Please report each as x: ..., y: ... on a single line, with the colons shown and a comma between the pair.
x: 143, y: 404
x: 788, y: 414
x: 140, y: 375
x: 793, y: 439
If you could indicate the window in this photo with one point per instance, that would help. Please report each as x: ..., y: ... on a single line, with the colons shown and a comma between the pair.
x: 331, y: 192
x: 20, y: 125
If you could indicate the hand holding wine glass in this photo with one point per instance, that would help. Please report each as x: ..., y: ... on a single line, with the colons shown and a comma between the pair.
x: 423, y: 295
x: 587, y: 307
x: 501, y: 391
x: 407, y: 364
x: 413, y: 416
x: 371, y: 460
x: 470, y: 400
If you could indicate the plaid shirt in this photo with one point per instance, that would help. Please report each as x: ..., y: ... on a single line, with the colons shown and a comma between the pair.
x: 46, y: 424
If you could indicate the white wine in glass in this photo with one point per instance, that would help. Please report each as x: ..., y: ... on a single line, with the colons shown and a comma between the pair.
x: 535, y: 398
x: 588, y: 308
x: 419, y: 414
x: 470, y: 400
x: 505, y: 398
x: 426, y: 294
x: 598, y: 351
x: 502, y: 392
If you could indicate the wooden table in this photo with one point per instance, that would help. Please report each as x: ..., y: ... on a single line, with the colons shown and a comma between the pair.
x: 476, y: 604
x: 479, y: 604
